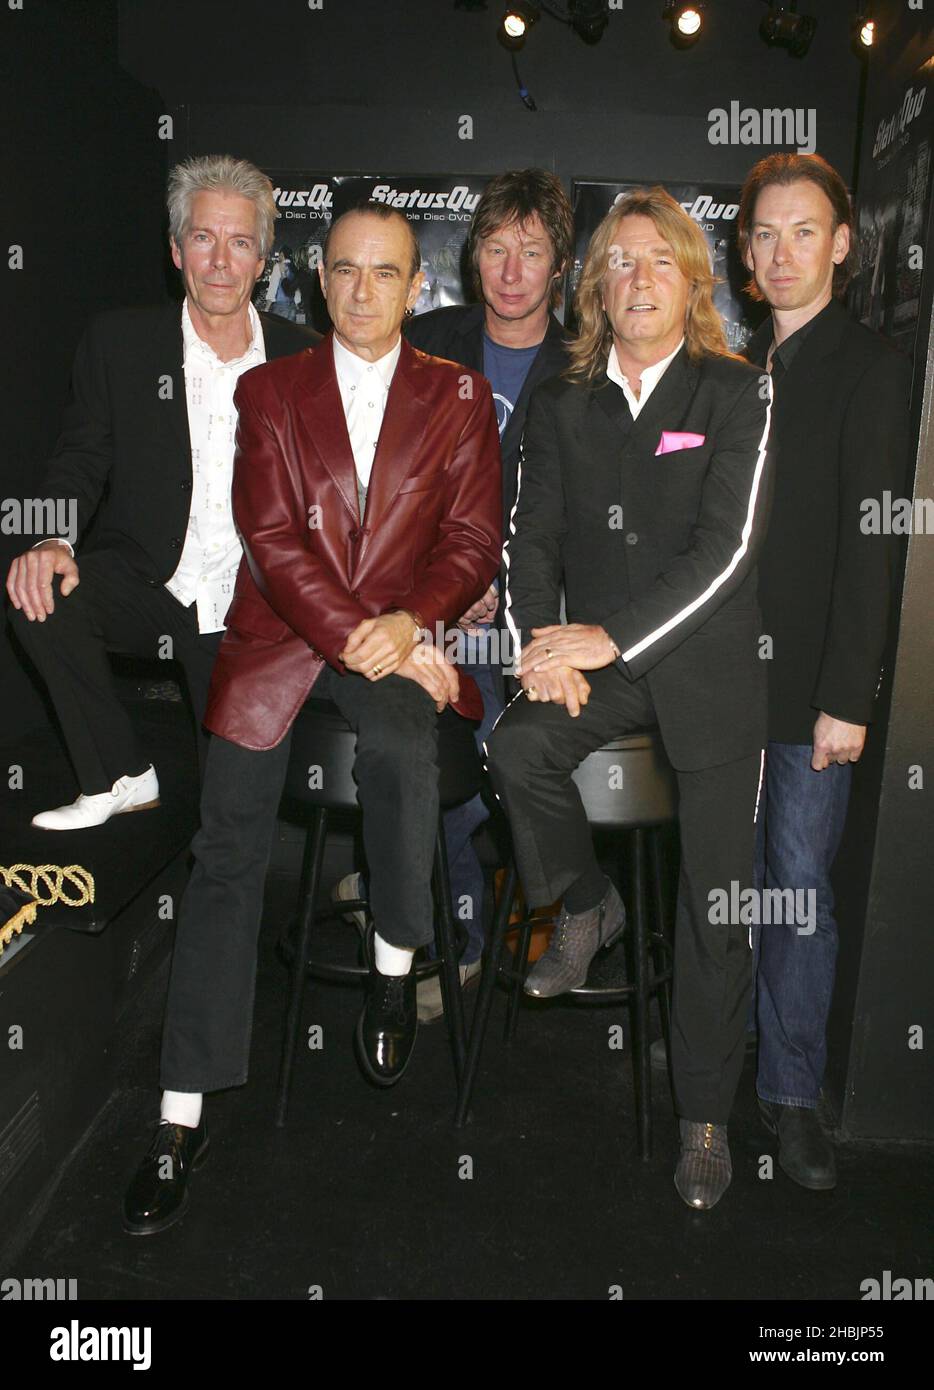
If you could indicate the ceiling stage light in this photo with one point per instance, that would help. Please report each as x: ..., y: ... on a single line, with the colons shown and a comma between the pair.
x: 686, y: 20
x: 785, y: 28
x: 589, y: 18
x: 517, y: 21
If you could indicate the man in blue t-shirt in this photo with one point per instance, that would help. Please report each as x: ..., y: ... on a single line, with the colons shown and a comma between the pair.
x: 520, y: 243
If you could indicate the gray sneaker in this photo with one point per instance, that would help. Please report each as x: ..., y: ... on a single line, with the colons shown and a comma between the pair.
x: 576, y: 939
x: 705, y: 1168
x: 428, y: 992
x: 350, y: 887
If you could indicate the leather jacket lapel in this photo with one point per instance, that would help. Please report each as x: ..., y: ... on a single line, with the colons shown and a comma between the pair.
x: 326, y: 426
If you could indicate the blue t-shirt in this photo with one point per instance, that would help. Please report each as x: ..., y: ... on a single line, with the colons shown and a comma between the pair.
x: 506, y: 369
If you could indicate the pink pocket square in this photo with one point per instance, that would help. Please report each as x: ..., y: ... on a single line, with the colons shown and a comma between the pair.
x: 672, y: 440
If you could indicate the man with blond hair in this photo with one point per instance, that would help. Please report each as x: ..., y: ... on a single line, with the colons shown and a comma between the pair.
x: 643, y: 488
x: 147, y: 449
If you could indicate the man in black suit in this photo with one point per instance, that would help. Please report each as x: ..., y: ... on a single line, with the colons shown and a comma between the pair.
x: 520, y: 241
x: 644, y: 487
x: 148, y: 443
x: 841, y: 423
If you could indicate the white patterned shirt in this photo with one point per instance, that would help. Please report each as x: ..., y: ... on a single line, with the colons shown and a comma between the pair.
x: 364, y: 387
x: 212, y: 550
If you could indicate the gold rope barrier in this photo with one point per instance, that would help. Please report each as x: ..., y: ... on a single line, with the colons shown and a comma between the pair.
x: 45, y: 884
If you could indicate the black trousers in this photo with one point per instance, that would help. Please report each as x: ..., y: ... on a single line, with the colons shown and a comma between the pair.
x: 209, y: 1015
x: 532, y: 753
x: 112, y: 606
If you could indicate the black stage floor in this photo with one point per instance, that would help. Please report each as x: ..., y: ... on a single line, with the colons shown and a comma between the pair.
x: 363, y: 1193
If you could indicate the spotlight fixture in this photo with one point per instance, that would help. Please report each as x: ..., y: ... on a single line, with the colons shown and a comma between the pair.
x: 686, y: 21
x: 589, y: 18
x: 865, y: 32
x: 785, y: 28
x: 517, y: 21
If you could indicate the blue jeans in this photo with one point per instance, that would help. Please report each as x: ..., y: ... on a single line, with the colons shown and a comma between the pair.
x: 800, y: 822
x: 464, y: 868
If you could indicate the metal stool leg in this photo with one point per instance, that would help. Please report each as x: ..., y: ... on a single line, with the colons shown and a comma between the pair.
x: 451, y: 992
x: 660, y: 955
x: 311, y: 875
x: 523, y: 946
x: 641, y: 1061
x: 481, y: 1016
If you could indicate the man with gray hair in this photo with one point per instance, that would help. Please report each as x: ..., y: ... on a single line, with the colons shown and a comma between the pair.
x: 147, y: 448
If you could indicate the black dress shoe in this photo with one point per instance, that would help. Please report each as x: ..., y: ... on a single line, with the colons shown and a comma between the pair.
x: 387, y: 1026
x: 158, y: 1195
x: 805, y: 1153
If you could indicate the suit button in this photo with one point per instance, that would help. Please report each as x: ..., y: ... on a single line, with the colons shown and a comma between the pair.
x: 356, y: 595
x: 175, y: 543
x: 353, y: 535
x: 186, y: 486
x: 631, y: 538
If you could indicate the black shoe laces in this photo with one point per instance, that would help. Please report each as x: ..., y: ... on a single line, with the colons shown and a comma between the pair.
x: 394, y: 998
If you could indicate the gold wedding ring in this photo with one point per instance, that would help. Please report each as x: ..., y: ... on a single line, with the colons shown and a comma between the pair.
x: 377, y: 670
x: 548, y: 652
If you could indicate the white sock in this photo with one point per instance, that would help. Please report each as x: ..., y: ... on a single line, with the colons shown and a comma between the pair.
x: 182, y: 1108
x: 391, y: 960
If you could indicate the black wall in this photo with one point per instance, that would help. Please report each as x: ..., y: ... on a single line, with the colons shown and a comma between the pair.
x: 380, y: 85
x: 83, y: 179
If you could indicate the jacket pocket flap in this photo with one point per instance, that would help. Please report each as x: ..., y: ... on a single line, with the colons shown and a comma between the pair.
x: 422, y: 482
x: 251, y: 613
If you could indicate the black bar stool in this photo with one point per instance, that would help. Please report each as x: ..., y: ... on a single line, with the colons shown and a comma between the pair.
x: 322, y: 738
x: 628, y: 785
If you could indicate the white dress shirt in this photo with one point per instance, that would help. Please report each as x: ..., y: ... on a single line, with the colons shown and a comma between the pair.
x: 650, y: 378
x: 364, y: 387
x: 211, y: 551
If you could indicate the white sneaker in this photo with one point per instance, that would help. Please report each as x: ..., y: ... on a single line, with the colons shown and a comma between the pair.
x: 127, y: 794
x: 349, y: 888
x: 428, y: 992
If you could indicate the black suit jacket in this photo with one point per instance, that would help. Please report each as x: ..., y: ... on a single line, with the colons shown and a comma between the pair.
x: 825, y: 585
x: 124, y: 445
x: 659, y: 549
x: 457, y: 334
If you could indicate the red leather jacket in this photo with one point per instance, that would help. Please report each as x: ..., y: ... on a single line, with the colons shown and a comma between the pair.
x: 430, y: 541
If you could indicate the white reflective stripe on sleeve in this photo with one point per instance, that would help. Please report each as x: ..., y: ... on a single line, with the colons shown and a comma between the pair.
x: 755, y: 814
x: 738, y: 554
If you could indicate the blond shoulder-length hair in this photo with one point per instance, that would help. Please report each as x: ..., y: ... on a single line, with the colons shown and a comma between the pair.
x: 703, y: 330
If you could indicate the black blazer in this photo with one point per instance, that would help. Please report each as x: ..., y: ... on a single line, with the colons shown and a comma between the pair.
x: 457, y: 334
x: 124, y: 444
x: 672, y: 575
x: 841, y: 424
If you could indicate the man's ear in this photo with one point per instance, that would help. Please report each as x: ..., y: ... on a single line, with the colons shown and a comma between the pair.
x: 841, y: 244
x: 415, y: 289
x: 176, y: 254
x: 321, y: 280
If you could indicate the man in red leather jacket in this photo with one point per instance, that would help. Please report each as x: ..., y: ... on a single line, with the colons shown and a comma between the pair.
x: 367, y: 492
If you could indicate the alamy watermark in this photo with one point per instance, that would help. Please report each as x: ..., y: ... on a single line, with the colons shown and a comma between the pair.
x: 897, y: 516
x: 40, y: 516
x: 763, y: 907
x: 483, y: 646
x: 771, y: 126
